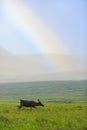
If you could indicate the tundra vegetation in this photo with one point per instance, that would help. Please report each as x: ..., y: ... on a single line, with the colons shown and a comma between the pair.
x: 64, y: 108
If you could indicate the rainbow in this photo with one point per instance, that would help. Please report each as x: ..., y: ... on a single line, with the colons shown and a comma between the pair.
x: 43, y: 38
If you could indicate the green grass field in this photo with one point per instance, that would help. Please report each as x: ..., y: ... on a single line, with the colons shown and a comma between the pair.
x: 50, y: 117
x: 65, y: 106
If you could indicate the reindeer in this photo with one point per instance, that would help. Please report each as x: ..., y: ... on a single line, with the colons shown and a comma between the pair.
x: 31, y: 104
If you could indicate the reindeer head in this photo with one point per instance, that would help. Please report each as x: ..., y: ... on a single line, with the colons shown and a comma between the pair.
x: 39, y: 103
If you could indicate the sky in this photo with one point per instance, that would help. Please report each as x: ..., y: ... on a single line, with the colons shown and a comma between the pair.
x: 54, y: 28
x: 43, y: 26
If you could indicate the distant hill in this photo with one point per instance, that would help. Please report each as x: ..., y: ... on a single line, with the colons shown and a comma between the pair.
x: 52, y: 91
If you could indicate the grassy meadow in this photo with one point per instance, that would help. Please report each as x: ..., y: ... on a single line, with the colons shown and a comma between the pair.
x: 65, y: 106
x: 51, y: 117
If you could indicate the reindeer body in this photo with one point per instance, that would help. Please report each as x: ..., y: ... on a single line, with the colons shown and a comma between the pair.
x: 31, y: 104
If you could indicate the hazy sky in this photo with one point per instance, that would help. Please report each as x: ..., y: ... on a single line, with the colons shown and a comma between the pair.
x: 51, y: 27
x: 43, y: 26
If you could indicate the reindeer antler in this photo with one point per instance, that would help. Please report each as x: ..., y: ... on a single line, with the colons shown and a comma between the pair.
x: 38, y: 100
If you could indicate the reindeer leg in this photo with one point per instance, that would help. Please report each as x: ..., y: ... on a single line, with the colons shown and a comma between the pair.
x: 31, y: 108
x: 19, y: 106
